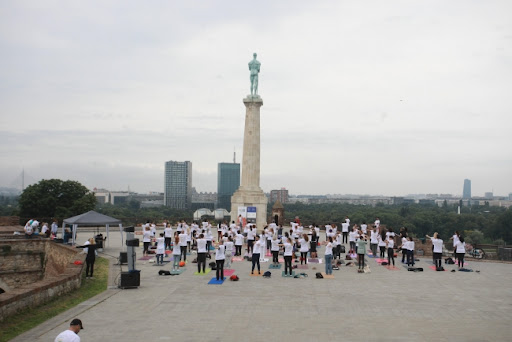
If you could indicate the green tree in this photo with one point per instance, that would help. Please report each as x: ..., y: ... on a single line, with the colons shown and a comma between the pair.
x: 55, y: 198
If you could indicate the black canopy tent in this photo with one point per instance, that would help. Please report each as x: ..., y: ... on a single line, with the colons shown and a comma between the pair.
x: 91, y: 218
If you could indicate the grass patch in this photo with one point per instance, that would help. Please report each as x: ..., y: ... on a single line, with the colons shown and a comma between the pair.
x: 32, y: 317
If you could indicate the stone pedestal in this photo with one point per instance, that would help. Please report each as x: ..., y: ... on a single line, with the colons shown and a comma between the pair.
x: 250, y: 194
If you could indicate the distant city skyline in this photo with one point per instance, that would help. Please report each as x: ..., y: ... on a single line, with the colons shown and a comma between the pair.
x: 366, y: 97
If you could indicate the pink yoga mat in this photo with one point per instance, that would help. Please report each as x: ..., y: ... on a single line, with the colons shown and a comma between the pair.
x: 380, y: 261
x: 433, y: 268
x: 228, y: 273
x: 391, y: 268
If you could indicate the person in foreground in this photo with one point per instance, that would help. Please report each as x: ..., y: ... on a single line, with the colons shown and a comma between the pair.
x: 71, y: 334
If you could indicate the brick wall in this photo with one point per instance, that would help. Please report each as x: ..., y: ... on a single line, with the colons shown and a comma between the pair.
x: 9, y: 220
x: 34, y: 271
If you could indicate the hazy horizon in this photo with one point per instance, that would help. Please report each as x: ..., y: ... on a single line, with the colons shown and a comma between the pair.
x: 373, y: 97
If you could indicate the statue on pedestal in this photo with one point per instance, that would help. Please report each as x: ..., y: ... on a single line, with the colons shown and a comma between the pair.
x: 254, y: 67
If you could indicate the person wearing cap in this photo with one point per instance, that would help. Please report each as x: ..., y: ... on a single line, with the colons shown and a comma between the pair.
x: 71, y: 334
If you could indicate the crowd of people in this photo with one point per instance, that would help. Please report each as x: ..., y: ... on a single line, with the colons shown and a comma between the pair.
x: 297, y: 243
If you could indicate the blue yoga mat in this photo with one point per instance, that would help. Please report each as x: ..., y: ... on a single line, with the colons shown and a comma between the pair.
x: 214, y: 281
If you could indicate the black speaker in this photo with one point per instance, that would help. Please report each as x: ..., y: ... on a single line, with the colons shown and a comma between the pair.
x: 129, y: 280
x: 132, y: 242
x: 123, y: 258
x: 129, y: 229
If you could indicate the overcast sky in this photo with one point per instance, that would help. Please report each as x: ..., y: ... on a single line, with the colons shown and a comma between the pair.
x: 365, y: 97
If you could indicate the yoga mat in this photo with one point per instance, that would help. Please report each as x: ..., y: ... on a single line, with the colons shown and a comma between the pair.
x: 208, y: 270
x: 272, y: 266
x: 302, y: 267
x: 228, y: 273
x: 178, y: 271
x: 280, y: 259
x: 391, y: 268
x: 147, y: 257
x: 380, y: 261
x: 288, y: 276
x: 268, y: 254
x: 214, y: 281
x: 434, y: 268
x: 328, y: 276
x: 255, y: 274
x: 313, y: 260
x: 237, y: 259
x: 370, y: 256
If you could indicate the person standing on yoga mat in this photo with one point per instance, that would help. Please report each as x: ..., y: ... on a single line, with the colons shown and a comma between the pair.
x: 288, y: 251
x: 382, y: 244
x: 390, y: 244
x: 361, y: 250
x: 239, y: 242
x: 274, y: 248
x: 251, y: 233
x: 410, y: 251
x: 176, y: 253
x: 219, y: 260
x: 313, y: 244
x: 374, y: 241
x: 304, y: 249
x: 229, y: 251
x: 183, y: 245
x: 460, y: 250
x: 328, y: 256
x: 344, y: 231
x: 256, y: 250
x: 146, y: 240
x: 437, y: 244
x: 201, y: 253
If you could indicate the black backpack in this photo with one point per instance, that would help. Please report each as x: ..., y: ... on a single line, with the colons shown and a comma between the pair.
x: 319, y: 275
x: 267, y: 274
x: 441, y: 268
x: 342, y: 249
x: 163, y: 272
x: 213, y: 265
x: 449, y: 261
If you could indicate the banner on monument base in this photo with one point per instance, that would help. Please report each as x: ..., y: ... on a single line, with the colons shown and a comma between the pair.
x: 242, y: 211
x: 251, y: 214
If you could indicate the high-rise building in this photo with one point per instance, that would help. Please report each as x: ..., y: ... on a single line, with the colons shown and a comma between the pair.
x: 281, y: 195
x: 178, y: 184
x: 466, y: 192
x: 228, y: 181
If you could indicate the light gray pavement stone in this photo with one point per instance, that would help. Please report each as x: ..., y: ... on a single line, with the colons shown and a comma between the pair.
x: 383, y: 305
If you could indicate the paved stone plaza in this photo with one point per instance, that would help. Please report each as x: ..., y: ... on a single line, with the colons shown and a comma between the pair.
x: 383, y: 305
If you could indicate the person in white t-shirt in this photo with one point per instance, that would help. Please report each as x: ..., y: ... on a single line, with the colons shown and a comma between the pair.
x: 352, y: 238
x: 390, y: 244
x: 374, y: 241
x: 201, y: 253
x: 220, y: 256
x: 251, y: 233
x: 160, y: 249
x: 304, y: 249
x: 71, y: 334
x: 229, y: 251
x: 437, y: 244
x: 146, y: 239
x: 28, y: 229
x: 364, y: 228
x: 256, y: 250
x: 168, y: 236
x: 183, y: 245
x: 455, y: 239
x: 328, y: 255
x: 288, y: 251
x: 239, y: 242
x: 344, y: 231
x: 410, y: 251
x: 460, y: 250
x: 274, y: 248
x: 176, y: 254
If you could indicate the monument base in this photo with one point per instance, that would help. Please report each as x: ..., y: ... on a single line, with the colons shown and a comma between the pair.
x: 250, y: 198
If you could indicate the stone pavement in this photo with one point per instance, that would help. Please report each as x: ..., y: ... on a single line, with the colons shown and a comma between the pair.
x: 383, y: 305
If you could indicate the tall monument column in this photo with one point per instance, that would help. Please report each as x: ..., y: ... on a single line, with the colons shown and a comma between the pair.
x: 250, y: 195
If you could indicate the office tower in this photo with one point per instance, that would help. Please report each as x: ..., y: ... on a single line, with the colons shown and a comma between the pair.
x: 178, y: 184
x: 228, y: 181
x: 281, y: 195
x: 466, y: 193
